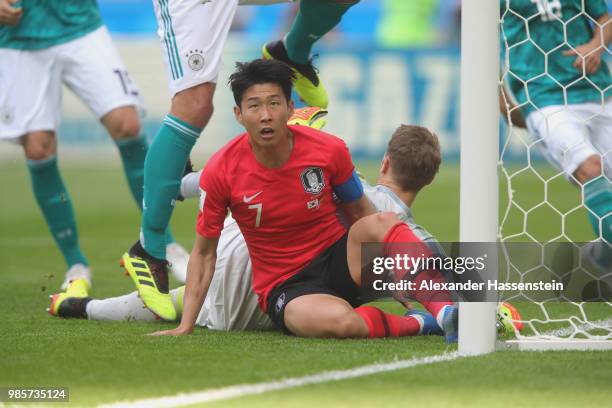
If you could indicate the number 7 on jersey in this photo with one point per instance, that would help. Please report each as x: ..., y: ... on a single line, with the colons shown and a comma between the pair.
x: 259, y: 208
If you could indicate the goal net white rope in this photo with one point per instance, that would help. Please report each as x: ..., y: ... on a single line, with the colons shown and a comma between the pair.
x: 557, y: 85
x: 548, y: 220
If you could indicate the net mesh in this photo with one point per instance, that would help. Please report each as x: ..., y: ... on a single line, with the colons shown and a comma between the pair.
x: 541, y: 200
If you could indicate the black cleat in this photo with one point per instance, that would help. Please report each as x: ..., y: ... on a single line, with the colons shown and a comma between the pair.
x: 307, y: 83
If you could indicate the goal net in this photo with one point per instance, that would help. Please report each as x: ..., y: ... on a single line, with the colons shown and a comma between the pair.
x: 559, y: 126
x: 557, y: 85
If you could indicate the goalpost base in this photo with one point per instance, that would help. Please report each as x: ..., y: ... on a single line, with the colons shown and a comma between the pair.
x: 551, y: 345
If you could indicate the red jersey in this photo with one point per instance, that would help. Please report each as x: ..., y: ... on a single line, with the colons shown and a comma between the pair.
x: 287, y: 215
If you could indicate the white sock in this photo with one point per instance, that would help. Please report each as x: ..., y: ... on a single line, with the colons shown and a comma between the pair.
x: 127, y: 307
x: 420, y: 320
x: 440, y: 315
x: 123, y: 308
x: 190, y: 185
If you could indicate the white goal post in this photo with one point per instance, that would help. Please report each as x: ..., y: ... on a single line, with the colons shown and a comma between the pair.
x: 479, y: 189
x: 479, y: 155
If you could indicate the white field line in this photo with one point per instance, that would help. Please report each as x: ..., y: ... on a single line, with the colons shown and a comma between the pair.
x: 236, y: 391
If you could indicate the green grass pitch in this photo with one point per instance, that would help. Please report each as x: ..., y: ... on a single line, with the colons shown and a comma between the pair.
x: 105, y: 362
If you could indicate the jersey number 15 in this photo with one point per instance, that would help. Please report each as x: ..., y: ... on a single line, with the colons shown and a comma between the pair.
x: 549, y: 10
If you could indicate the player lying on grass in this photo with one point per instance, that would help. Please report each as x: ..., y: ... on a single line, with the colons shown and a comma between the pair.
x: 231, y: 303
x: 279, y: 182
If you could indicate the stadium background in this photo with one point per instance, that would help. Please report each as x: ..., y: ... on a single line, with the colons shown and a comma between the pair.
x: 375, y: 82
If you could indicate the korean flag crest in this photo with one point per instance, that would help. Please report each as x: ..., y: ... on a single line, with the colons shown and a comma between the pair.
x: 312, y: 180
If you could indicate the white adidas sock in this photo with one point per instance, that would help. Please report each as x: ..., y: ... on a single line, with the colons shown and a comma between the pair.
x: 440, y: 316
x: 127, y: 307
x: 123, y: 308
x: 190, y: 185
x: 420, y: 320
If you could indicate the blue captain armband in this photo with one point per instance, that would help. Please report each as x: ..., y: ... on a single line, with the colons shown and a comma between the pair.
x: 350, y: 190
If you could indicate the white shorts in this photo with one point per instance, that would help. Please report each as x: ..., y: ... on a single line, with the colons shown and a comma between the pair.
x: 31, y: 82
x: 192, y: 35
x: 568, y: 135
x: 231, y: 303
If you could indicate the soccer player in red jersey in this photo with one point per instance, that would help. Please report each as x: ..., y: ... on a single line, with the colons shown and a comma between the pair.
x: 279, y: 181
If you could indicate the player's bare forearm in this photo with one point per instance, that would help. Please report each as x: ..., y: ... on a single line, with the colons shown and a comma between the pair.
x: 589, y: 55
x: 604, y: 28
x: 358, y: 209
x: 200, y: 271
x: 602, y: 34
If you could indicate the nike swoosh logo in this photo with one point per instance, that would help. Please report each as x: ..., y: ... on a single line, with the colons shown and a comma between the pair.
x: 249, y: 199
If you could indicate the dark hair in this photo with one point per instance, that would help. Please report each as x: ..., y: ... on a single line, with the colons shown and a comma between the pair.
x: 414, y: 155
x: 260, y: 71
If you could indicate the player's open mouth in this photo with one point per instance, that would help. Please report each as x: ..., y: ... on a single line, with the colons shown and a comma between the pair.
x: 267, y: 133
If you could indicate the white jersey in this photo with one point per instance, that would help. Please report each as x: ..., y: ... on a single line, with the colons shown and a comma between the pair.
x: 385, y: 200
x: 231, y: 303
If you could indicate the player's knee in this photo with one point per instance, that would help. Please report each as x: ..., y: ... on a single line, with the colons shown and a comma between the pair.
x: 39, y: 145
x: 123, y: 123
x: 386, y: 219
x: 203, y: 109
x: 345, y: 326
x: 194, y: 105
x: 196, y: 114
x: 373, y: 228
x: 128, y: 129
x: 589, y: 169
x: 38, y: 153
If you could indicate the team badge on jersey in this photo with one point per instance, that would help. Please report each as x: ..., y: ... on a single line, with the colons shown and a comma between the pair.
x: 195, y: 60
x: 312, y: 180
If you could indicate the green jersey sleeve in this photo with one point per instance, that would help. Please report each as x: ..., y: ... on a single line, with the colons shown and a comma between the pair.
x: 46, y: 23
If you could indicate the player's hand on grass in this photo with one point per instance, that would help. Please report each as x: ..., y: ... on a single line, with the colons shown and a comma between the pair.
x: 179, y: 331
x: 10, y: 15
x: 587, y: 55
